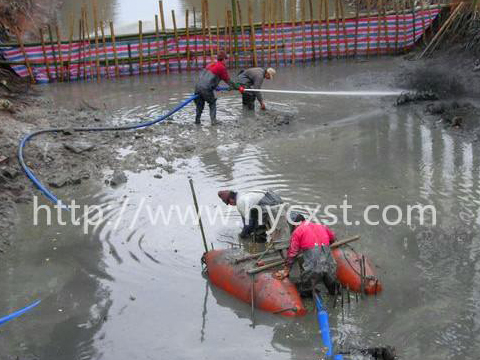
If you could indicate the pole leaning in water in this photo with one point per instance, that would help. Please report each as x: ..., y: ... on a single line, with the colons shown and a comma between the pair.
x: 195, y: 202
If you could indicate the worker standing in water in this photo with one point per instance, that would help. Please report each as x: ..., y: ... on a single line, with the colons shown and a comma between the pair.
x: 313, y: 241
x: 252, y: 206
x: 206, y: 85
x: 253, y: 79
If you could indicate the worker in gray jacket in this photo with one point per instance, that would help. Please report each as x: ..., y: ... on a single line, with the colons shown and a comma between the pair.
x: 253, y: 79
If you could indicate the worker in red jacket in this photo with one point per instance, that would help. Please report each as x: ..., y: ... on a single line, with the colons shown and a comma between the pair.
x: 313, y: 241
x: 205, y: 87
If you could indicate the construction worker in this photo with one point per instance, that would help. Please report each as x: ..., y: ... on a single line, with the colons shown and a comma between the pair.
x: 317, y: 264
x: 253, y: 79
x: 249, y: 204
x: 205, y: 87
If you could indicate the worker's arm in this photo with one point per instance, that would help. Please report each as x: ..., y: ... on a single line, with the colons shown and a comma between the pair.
x: 223, y: 74
x: 331, y: 235
x: 257, y: 84
x: 292, y: 252
x: 248, y: 227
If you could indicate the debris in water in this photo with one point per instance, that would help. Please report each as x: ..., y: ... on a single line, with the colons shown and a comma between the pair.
x: 409, y: 97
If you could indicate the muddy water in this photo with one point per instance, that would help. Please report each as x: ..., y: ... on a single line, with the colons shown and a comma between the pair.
x: 132, y: 290
x: 126, y: 13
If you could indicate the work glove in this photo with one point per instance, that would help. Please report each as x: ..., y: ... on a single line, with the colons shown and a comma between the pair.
x: 281, y: 274
x: 234, y: 86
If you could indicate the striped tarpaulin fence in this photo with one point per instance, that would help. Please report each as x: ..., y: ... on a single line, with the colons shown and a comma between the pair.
x: 280, y: 46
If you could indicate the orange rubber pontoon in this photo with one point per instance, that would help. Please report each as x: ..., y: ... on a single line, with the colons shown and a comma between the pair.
x: 271, y: 295
x: 349, y: 270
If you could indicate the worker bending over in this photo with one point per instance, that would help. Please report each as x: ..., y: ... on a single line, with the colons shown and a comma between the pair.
x: 253, y: 79
x: 252, y: 206
x: 313, y: 242
x: 206, y: 85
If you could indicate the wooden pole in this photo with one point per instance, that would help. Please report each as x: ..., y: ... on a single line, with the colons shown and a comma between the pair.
x: 293, y: 9
x: 207, y: 13
x: 80, y: 49
x: 344, y: 25
x: 368, y: 27
x: 304, y: 39
x: 140, y: 46
x: 204, y: 36
x: 195, y: 202
x: 379, y: 26
x: 87, y: 31
x: 275, y: 14
x: 226, y: 36
x: 95, y: 25
x: 263, y: 31
x: 105, y: 52
x: 252, y: 33
x: 45, y: 57
x: 60, y: 56
x: 357, y: 17
x: 149, y: 60
x: 114, y: 46
x: 157, y: 38
x: 337, y: 26
x: 70, y: 40
x: 27, y: 61
x: 320, y: 27
x: 282, y: 25
x: 327, y: 19
x: 218, y: 35
x: 312, y: 31
x: 235, y: 32
x: 230, y: 37
x: 242, y: 30
x: 385, y: 21
x: 187, y: 29
x: 176, y: 41
x: 414, y: 17
x: 165, y: 37
x: 405, y: 36
x: 422, y: 8
x: 50, y: 35
x: 130, y: 65
x: 195, y: 37
x: 396, y: 25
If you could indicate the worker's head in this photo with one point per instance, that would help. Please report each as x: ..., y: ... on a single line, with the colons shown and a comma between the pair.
x: 295, y: 220
x: 270, y: 73
x: 228, y: 197
x: 222, y: 55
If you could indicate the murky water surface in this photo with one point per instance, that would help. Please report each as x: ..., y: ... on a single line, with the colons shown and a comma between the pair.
x: 131, y: 290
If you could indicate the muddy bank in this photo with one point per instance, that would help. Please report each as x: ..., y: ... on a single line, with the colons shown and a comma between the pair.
x: 67, y: 158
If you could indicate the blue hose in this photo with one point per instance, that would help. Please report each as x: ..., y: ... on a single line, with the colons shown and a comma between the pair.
x: 28, y: 137
x: 324, y: 326
x: 18, y: 313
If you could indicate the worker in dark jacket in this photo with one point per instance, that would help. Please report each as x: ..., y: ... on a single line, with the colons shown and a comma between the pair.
x: 253, y: 79
x: 209, y: 79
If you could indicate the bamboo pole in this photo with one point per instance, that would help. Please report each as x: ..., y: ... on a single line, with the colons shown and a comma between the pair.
x: 368, y: 26
x: 414, y: 17
x: 263, y: 31
x: 293, y: 11
x: 130, y: 65
x: 87, y: 31
x: 344, y: 25
x: 195, y: 37
x: 304, y: 39
x: 235, y: 32
x: 252, y: 34
x: 312, y: 30
x: 270, y: 16
x: 80, y: 48
x: 207, y: 13
x: 50, y: 35
x: 275, y: 39
x: 165, y: 36
x: 204, y: 36
x: 327, y: 19
x: 405, y: 38
x: 176, y: 41
x: 27, y: 61
x: 379, y: 26
x: 320, y: 26
x: 114, y: 46
x: 149, y: 61
x: 70, y: 40
x: 84, y: 60
x: 105, y: 52
x: 337, y: 27
x: 230, y: 37
x: 187, y: 24
x: 357, y: 16
x: 195, y: 202
x: 157, y: 38
x: 242, y: 30
x: 140, y: 46
x: 218, y: 35
x: 95, y: 25
x: 422, y: 8
x: 225, y: 36
x: 396, y: 25
x: 283, y: 35
x: 45, y: 57
x: 60, y: 55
